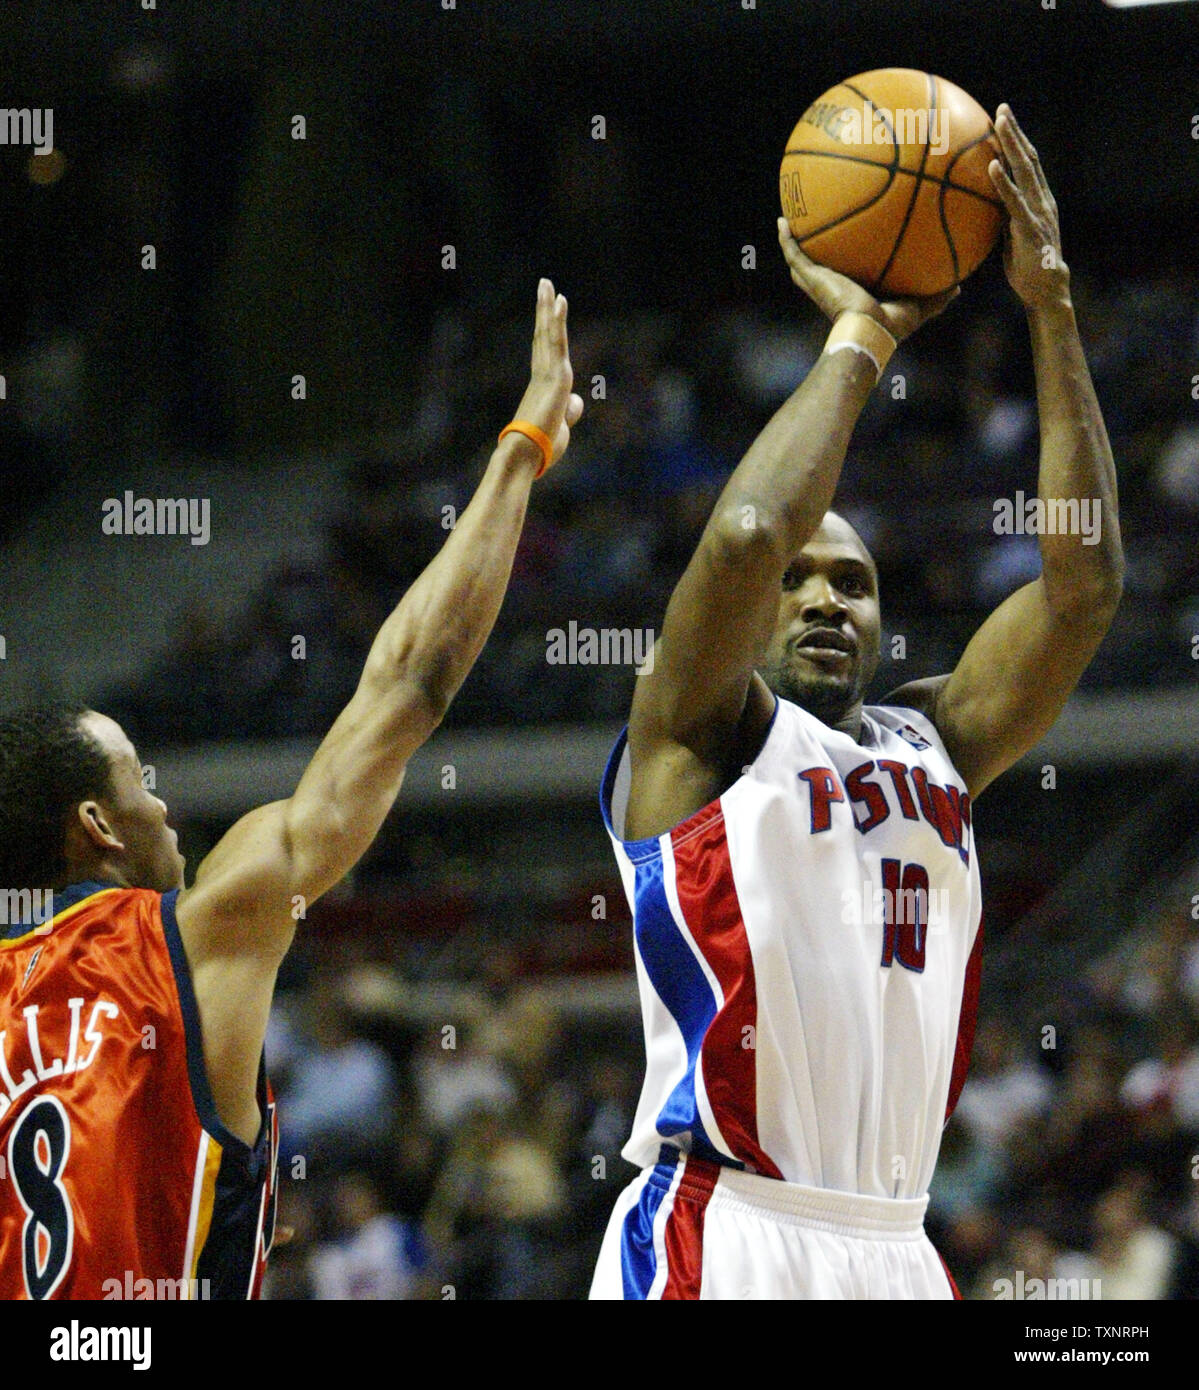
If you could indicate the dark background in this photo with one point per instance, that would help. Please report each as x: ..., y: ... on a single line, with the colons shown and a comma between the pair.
x: 471, y: 127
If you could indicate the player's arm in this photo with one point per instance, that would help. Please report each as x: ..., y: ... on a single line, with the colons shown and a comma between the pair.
x: 694, y: 716
x: 241, y: 904
x: 1018, y: 671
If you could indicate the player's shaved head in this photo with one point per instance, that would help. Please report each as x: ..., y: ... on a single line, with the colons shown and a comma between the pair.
x: 825, y: 646
x: 834, y: 527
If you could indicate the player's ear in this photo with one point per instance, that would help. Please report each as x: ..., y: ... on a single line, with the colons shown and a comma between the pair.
x: 90, y: 819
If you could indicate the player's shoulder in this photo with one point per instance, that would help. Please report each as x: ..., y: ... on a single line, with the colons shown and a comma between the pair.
x: 911, y: 711
x: 921, y: 695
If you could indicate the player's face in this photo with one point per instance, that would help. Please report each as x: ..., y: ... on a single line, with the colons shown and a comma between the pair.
x: 151, y: 857
x: 825, y: 646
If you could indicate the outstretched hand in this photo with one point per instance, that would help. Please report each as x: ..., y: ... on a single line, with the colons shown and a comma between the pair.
x: 1032, y: 241
x: 548, y: 401
x: 835, y: 294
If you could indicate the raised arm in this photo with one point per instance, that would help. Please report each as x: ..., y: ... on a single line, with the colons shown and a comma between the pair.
x: 700, y: 712
x: 238, y: 918
x: 1020, y: 667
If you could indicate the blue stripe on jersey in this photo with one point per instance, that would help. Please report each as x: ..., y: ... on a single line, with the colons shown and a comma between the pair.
x: 683, y: 987
x: 638, y: 1262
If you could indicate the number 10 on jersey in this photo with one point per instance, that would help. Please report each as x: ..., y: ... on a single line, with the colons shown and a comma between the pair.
x: 905, y: 913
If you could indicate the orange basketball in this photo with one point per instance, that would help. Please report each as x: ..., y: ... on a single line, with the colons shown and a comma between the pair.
x: 885, y: 180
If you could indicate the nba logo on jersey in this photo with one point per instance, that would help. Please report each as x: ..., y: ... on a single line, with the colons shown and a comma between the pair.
x: 906, y: 731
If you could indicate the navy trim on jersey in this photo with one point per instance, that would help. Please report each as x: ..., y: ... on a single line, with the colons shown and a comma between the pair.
x: 637, y: 849
x: 197, y: 1071
x: 228, y: 1262
x: 76, y: 893
x: 61, y: 899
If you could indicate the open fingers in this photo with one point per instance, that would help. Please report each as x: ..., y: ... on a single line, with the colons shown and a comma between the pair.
x: 558, y: 323
x: 545, y: 301
x: 1019, y: 151
x: 1006, y: 189
x: 541, y: 321
x: 549, y: 335
x: 1017, y: 131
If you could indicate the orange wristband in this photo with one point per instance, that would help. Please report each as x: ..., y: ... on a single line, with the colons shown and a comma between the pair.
x: 538, y: 436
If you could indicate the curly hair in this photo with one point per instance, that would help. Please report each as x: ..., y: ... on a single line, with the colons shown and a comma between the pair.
x: 48, y: 765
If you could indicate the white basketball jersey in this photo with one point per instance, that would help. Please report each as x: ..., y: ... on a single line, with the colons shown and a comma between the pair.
x: 808, y: 948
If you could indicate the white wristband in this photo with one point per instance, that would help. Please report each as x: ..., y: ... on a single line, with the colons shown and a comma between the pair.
x: 865, y: 335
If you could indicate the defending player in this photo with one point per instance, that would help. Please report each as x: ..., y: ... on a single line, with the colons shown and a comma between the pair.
x: 807, y: 1025
x: 135, y: 1116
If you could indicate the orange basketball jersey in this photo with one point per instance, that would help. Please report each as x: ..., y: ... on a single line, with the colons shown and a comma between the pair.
x: 120, y: 1180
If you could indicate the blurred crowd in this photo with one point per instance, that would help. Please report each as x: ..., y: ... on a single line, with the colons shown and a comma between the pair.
x: 672, y: 403
x: 1074, y: 1152
x: 424, y: 1158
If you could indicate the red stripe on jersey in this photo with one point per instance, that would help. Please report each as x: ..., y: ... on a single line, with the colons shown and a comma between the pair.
x: 685, y: 1230
x: 957, y: 1293
x: 966, y: 1022
x: 265, y: 1237
x: 708, y: 898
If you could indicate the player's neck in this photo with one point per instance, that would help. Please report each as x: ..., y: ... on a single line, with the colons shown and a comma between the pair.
x: 95, y: 871
x: 850, y: 722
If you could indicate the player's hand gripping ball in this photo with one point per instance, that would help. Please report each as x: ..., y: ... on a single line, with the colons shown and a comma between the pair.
x: 885, y: 180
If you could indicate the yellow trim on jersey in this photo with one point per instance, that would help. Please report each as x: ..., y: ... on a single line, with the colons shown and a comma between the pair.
x: 212, y: 1166
x: 57, y: 920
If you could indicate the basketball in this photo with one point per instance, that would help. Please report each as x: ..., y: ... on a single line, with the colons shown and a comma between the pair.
x: 885, y: 179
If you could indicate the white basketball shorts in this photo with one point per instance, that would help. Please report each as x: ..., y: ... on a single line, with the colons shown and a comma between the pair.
x: 687, y: 1228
